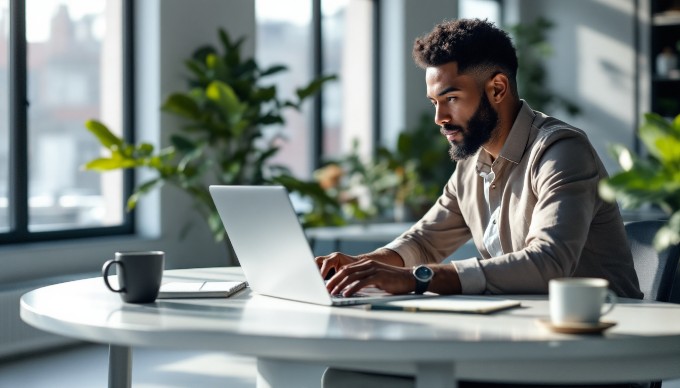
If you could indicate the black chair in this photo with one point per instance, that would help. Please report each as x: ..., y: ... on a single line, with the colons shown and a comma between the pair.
x: 658, y: 272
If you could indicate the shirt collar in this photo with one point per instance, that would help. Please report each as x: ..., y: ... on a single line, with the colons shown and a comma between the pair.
x: 517, y: 140
x: 515, y: 144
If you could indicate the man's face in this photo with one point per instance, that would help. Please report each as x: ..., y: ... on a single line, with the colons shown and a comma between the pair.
x: 463, y: 111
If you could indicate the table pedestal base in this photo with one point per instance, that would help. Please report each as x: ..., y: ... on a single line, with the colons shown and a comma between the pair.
x: 287, y: 374
x: 120, y: 366
x: 273, y: 373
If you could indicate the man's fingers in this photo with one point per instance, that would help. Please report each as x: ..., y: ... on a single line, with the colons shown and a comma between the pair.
x: 355, y: 287
x: 348, y: 274
x: 328, y: 265
x: 319, y: 260
x: 350, y: 277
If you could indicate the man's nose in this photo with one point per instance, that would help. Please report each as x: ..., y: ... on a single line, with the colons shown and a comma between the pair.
x: 441, y: 116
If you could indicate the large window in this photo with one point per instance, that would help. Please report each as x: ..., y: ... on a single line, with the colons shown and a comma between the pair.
x: 68, y: 61
x: 348, y: 51
x: 313, y: 38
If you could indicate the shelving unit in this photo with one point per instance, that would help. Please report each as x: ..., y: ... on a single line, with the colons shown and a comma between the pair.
x: 664, y: 34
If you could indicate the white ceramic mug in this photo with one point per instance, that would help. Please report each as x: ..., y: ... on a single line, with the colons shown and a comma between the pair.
x: 580, y: 300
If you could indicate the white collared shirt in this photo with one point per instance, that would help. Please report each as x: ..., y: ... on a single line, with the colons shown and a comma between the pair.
x: 492, y: 237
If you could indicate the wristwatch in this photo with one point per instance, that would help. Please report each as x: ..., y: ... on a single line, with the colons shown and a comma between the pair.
x: 423, y: 275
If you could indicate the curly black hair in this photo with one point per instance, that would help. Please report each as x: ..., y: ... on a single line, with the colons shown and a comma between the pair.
x: 476, y: 45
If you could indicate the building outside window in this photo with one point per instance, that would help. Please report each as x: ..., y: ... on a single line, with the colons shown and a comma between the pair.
x: 74, y: 71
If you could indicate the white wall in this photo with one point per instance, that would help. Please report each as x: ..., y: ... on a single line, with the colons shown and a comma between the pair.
x: 593, y: 65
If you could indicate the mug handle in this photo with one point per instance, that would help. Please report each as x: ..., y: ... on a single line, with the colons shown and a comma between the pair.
x: 105, y: 274
x: 612, y: 300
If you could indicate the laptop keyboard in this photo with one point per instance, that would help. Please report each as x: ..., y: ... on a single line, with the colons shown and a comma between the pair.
x: 357, y: 295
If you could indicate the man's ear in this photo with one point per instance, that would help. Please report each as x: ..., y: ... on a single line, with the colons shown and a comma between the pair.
x: 498, y: 88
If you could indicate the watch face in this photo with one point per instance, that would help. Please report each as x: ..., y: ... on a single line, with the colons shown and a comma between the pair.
x: 423, y: 273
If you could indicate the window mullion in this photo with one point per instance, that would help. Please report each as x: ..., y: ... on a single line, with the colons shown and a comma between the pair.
x: 18, y: 105
x: 128, y: 104
x: 377, y: 41
x: 317, y: 68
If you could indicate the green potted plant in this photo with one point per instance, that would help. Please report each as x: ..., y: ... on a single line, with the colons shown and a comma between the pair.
x: 224, y: 110
x: 365, y: 189
x: 401, y: 184
x: 653, y: 179
x: 423, y: 166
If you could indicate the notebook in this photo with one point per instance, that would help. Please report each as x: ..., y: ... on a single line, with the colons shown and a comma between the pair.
x: 451, y: 304
x: 272, y: 248
x: 175, y: 290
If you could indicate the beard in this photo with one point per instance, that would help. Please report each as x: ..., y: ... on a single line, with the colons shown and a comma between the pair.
x: 476, y: 133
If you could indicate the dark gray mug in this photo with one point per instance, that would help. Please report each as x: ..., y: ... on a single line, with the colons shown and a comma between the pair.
x: 139, y: 275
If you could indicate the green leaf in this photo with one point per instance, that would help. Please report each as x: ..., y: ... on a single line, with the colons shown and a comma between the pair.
x: 215, y: 224
x: 246, y: 69
x: 221, y: 70
x: 669, y: 234
x: 623, y: 156
x: 650, y: 135
x: 669, y: 149
x: 143, y: 150
x: 108, y: 164
x: 224, y: 38
x: 239, y: 128
x: 196, y: 153
x: 201, y: 53
x: 104, y: 135
x: 271, y: 119
x: 141, y: 190
x: 225, y: 98
x: 212, y: 61
x: 182, y: 144
x: 182, y: 105
x: 313, y: 86
x: 290, y: 104
x: 273, y: 70
x: 267, y: 154
x: 264, y: 94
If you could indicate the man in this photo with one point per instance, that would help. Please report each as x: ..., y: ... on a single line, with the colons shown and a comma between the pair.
x: 524, y: 188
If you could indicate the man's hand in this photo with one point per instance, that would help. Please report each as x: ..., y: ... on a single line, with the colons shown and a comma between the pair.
x: 363, y: 272
x: 334, y: 261
x: 382, y: 268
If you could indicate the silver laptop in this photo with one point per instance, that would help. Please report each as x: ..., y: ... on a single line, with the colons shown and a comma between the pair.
x: 273, y: 249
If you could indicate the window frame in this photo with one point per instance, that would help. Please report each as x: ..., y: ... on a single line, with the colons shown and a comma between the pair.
x: 318, y: 71
x: 18, y: 209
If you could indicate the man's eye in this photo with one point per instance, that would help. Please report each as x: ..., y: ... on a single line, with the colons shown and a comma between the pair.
x: 450, y: 98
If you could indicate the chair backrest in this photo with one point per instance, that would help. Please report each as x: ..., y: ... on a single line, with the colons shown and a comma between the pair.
x: 658, y: 272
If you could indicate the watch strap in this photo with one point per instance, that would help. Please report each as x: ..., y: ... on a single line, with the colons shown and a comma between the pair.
x: 421, y: 286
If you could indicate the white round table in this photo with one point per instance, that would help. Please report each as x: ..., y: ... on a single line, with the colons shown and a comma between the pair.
x: 439, y: 348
